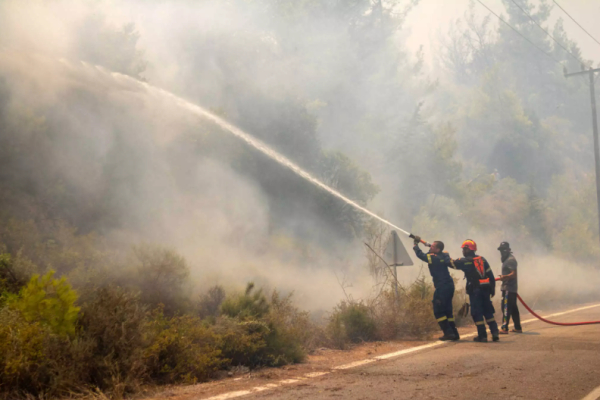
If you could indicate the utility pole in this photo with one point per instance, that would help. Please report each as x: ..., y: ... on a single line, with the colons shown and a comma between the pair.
x: 591, y: 73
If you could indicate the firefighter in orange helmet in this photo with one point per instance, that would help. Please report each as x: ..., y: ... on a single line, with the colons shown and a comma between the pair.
x: 481, y: 286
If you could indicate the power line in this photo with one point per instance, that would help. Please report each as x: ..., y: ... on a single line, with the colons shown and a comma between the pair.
x: 573, y: 19
x: 547, y: 33
x: 519, y: 33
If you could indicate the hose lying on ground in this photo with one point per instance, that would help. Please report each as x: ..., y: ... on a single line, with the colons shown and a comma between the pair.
x: 552, y: 322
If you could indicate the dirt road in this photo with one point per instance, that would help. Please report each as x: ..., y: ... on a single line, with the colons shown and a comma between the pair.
x: 545, y: 362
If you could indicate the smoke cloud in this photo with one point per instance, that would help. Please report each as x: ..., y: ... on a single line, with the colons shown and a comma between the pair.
x: 332, y: 87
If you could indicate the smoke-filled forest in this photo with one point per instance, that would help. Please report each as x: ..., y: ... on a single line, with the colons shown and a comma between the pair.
x: 149, y: 245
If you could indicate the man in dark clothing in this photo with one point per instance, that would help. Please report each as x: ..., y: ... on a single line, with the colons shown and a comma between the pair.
x: 509, y: 290
x: 480, y: 286
x: 438, y: 262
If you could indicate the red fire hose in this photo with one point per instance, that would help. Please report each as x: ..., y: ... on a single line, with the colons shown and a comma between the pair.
x: 552, y: 322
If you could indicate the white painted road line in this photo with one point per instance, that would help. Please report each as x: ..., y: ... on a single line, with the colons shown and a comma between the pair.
x: 355, y: 364
x: 593, y: 395
x: 239, y: 393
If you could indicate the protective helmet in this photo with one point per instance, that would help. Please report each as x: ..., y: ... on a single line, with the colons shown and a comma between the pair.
x: 470, y: 244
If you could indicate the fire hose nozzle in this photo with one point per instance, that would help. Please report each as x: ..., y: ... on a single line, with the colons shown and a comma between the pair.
x: 422, y: 241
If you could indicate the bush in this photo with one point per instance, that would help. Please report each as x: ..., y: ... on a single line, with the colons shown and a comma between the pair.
x: 417, y: 316
x: 116, y: 345
x: 410, y: 316
x: 290, y: 331
x: 351, y: 322
x: 246, y: 306
x: 210, y: 303
x: 242, y: 342
x: 115, y: 322
x: 35, y: 360
x: 161, y: 276
x: 8, y: 279
x: 259, y: 332
x: 48, y: 301
x: 183, y: 349
x: 388, y: 314
x: 22, y: 352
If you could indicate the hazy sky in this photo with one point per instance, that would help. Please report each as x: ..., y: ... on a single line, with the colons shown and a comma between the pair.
x: 433, y: 15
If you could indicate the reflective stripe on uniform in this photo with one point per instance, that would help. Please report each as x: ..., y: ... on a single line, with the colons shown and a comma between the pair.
x: 451, y: 319
x: 480, y: 323
x: 491, y: 320
x: 429, y: 258
x: 484, y: 281
x: 442, y: 319
x: 478, y: 261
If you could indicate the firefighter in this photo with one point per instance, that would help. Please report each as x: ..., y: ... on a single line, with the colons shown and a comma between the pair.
x: 481, y: 285
x: 509, y: 289
x: 438, y: 263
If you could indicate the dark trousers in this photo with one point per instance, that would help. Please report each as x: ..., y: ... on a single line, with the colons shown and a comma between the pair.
x: 442, y: 303
x: 482, y: 311
x: 510, y: 309
x: 442, y: 308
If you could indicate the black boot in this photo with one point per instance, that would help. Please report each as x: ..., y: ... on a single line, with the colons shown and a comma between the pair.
x: 481, y: 333
x: 454, y: 330
x: 494, y: 330
x: 448, y: 334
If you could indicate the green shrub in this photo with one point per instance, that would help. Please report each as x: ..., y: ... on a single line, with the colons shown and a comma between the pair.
x: 6, y: 278
x: 409, y: 316
x: 249, y: 305
x: 118, y: 346
x: 292, y: 332
x: 115, y: 322
x: 388, y: 315
x: 417, y: 310
x: 34, y: 360
x: 210, y: 304
x: 49, y: 242
x: 351, y: 322
x: 161, y: 275
x: 242, y: 342
x: 259, y: 332
x: 21, y: 351
x: 183, y: 349
x: 48, y: 301
x: 15, y: 271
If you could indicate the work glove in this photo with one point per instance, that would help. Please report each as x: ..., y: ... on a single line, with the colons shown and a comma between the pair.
x: 493, y: 291
x: 417, y: 239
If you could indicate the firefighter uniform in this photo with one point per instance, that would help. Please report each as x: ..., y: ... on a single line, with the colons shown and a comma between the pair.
x: 480, y: 286
x: 444, y: 291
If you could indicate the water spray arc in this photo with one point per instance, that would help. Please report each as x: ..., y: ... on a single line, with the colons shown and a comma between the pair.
x: 125, y: 80
x: 251, y: 141
x: 266, y: 150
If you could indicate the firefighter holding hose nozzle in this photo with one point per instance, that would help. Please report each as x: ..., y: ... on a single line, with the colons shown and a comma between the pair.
x: 481, y: 285
x: 438, y: 262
